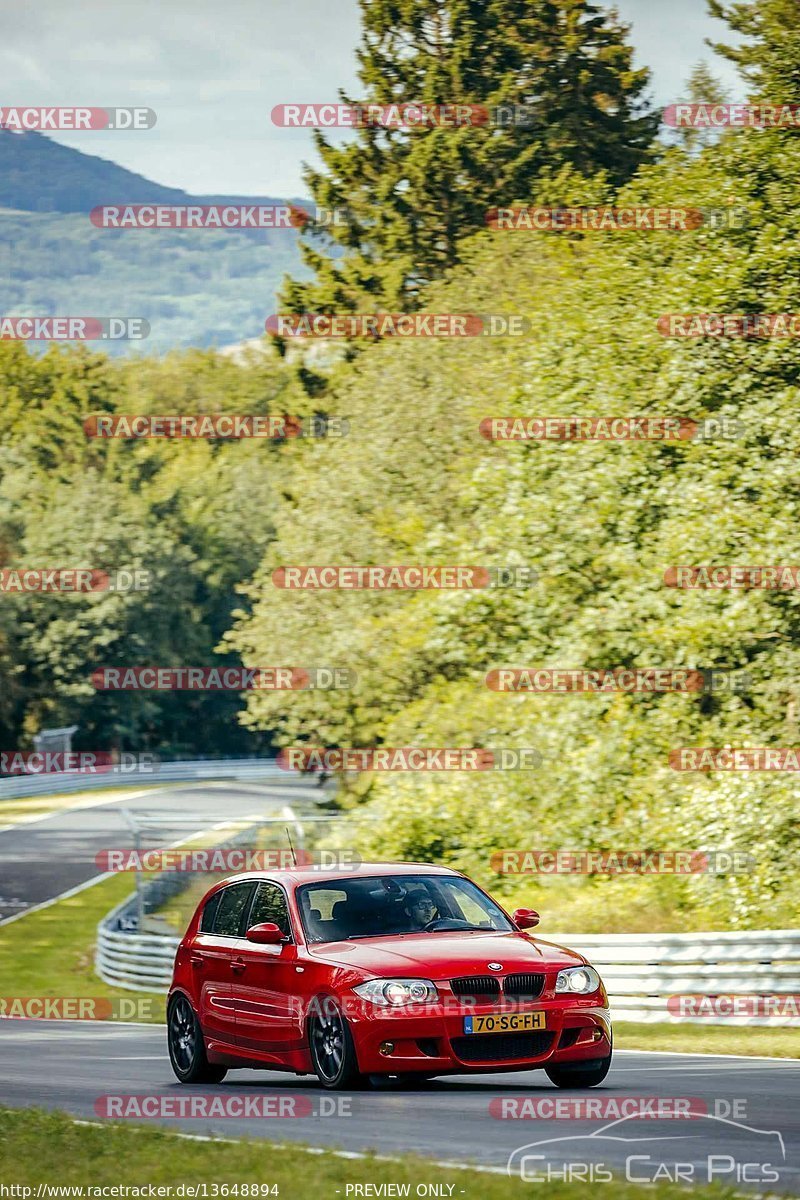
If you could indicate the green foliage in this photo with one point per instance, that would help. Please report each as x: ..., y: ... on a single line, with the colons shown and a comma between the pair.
x: 411, y: 196
x: 599, y: 523
x: 196, y: 516
x: 767, y: 48
x: 415, y: 483
x: 703, y: 88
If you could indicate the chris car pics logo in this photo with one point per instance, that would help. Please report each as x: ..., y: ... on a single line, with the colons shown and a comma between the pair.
x: 712, y: 1149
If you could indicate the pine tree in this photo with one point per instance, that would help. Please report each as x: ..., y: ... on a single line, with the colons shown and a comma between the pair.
x: 410, y: 195
x: 769, y: 54
x: 703, y: 87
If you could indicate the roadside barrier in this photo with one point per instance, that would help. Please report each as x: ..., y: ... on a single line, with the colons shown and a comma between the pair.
x: 649, y: 977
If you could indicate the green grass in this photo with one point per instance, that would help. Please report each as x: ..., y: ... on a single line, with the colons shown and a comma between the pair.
x: 38, y: 1147
x: 709, y: 1039
x: 51, y: 952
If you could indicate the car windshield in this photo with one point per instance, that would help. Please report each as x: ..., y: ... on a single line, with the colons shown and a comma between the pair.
x: 388, y: 905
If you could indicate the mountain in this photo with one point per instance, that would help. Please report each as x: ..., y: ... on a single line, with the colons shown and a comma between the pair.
x: 194, y: 287
x: 39, y: 175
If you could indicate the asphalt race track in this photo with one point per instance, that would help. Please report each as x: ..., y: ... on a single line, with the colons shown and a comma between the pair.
x: 41, y: 859
x: 69, y: 1065
x: 748, y: 1113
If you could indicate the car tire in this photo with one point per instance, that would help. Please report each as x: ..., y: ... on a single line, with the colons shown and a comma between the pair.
x: 331, y: 1045
x: 187, y: 1048
x: 579, y: 1075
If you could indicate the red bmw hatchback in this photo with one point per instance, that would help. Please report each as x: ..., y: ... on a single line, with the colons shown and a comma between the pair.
x: 389, y: 969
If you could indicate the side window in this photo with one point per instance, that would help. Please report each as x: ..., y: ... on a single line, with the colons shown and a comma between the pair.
x: 209, y: 912
x: 322, y: 901
x: 270, y: 905
x: 231, y: 909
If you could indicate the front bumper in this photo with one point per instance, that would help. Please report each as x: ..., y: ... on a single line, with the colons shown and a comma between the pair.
x: 394, y: 1040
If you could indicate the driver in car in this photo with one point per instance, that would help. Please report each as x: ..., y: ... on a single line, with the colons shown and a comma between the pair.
x: 420, y: 908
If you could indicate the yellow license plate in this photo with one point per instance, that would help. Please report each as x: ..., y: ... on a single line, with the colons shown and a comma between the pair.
x: 504, y: 1022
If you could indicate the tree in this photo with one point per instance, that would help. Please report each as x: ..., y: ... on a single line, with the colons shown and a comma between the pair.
x: 769, y: 54
x: 410, y: 195
x: 196, y: 515
x: 599, y: 524
x: 703, y: 88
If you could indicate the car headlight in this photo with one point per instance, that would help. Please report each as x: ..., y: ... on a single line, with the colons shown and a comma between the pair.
x: 582, y: 980
x: 397, y: 991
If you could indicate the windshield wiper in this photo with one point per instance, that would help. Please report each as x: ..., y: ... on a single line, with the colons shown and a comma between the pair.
x: 465, y: 929
x: 354, y: 937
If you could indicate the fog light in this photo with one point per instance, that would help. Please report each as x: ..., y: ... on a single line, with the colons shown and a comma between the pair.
x: 597, y: 1035
x: 386, y: 1048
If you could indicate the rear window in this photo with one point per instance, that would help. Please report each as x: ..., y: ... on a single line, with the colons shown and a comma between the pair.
x: 209, y: 912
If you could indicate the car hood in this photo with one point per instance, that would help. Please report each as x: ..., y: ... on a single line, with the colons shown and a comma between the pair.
x: 442, y: 955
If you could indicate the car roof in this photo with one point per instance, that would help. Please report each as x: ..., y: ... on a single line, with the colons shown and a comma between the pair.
x: 300, y: 875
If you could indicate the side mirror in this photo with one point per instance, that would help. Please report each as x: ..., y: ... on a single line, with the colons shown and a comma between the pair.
x: 525, y: 918
x: 265, y: 934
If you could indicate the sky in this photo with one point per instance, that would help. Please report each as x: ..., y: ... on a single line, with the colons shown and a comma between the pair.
x: 213, y: 70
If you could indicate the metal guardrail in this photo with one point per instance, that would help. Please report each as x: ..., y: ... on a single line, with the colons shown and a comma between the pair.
x: 19, y: 786
x: 139, y: 962
x: 641, y: 971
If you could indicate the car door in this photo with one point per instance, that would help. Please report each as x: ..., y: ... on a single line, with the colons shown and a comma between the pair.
x: 268, y: 1017
x: 210, y: 958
